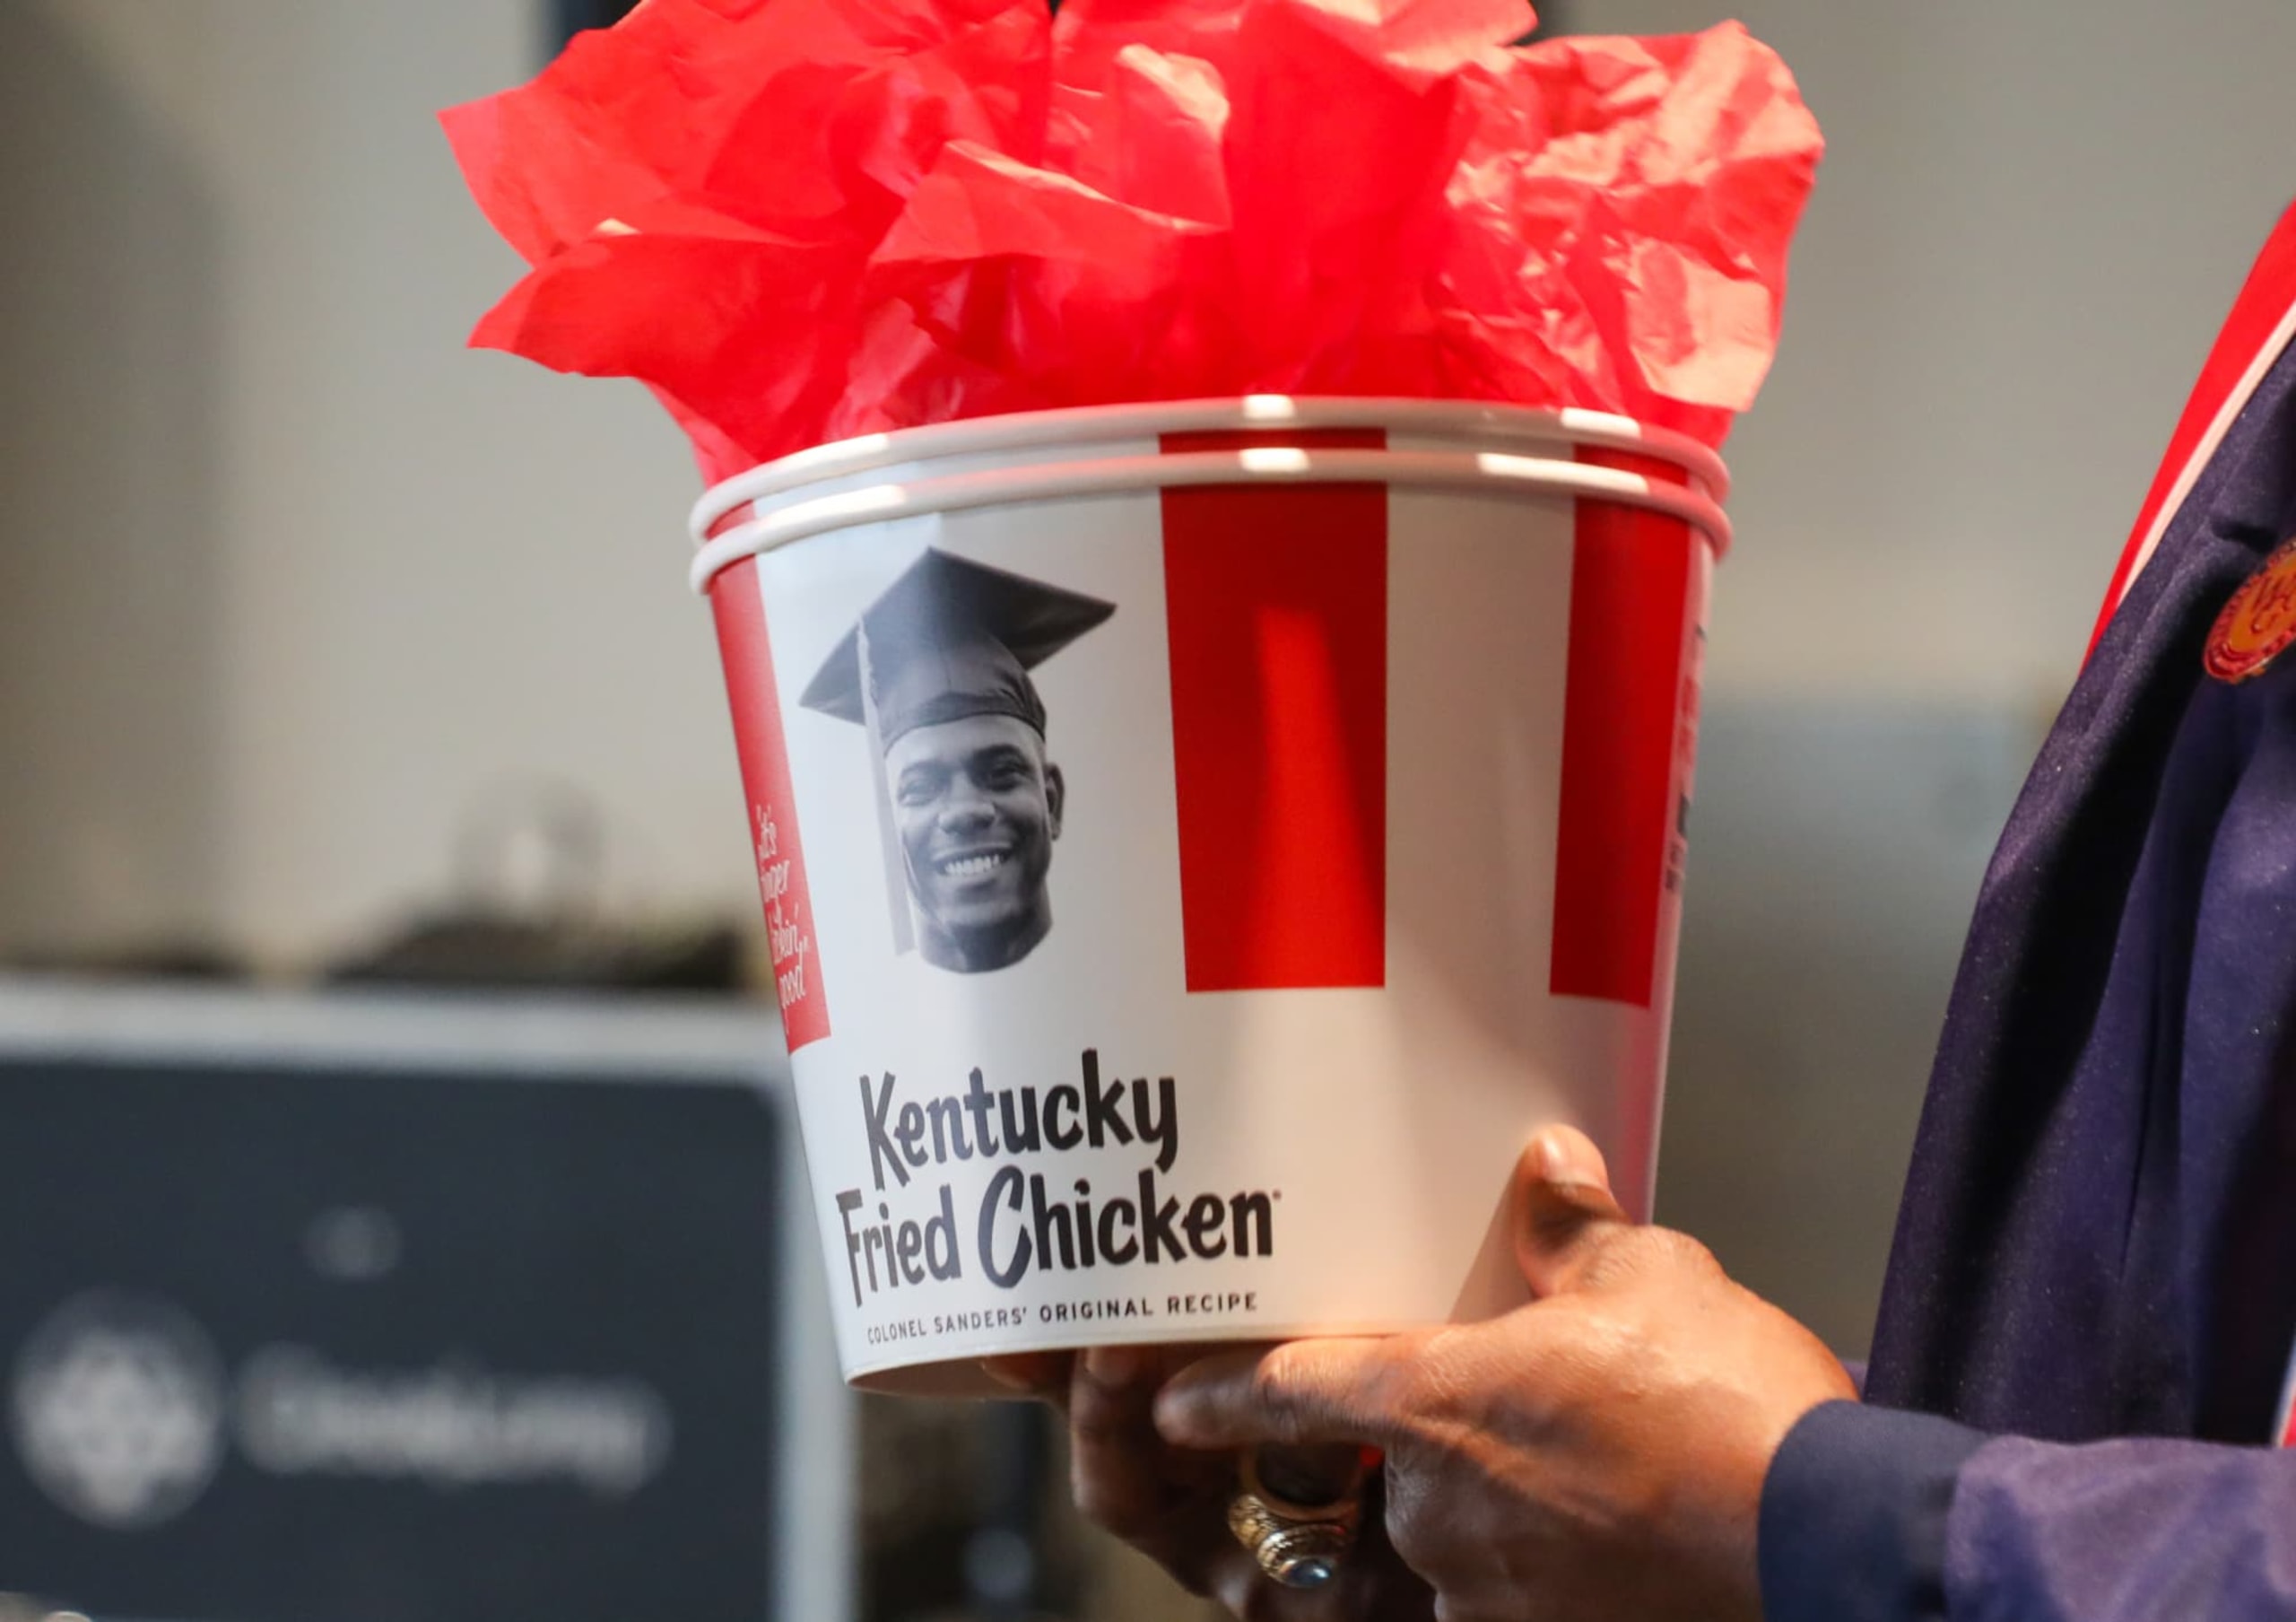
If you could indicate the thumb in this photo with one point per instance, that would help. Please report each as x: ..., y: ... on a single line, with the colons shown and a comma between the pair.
x: 1565, y: 1214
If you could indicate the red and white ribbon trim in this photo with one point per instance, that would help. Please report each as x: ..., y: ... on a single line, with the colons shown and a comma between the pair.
x: 2260, y: 327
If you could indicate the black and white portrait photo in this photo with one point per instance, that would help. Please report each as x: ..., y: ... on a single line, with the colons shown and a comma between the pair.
x: 936, y: 674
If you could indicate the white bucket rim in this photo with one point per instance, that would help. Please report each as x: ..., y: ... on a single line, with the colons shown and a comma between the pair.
x: 1285, y: 465
x: 842, y: 458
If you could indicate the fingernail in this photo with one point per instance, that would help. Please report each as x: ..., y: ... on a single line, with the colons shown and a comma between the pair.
x: 1551, y: 1157
x: 1117, y: 1364
x: 1171, y: 1415
x: 1564, y: 1160
x: 1009, y: 1379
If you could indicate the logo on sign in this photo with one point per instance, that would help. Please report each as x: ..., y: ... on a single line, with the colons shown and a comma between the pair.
x: 116, y: 1410
x: 122, y: 1412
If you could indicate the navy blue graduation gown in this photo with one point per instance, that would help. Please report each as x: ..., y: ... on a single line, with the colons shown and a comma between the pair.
x: 2091, y: 1301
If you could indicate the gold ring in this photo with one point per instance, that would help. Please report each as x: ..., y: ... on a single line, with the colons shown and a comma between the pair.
x: 1299, y: 1545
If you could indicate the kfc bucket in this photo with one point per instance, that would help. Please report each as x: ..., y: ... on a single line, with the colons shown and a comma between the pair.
x: 1199, y: 842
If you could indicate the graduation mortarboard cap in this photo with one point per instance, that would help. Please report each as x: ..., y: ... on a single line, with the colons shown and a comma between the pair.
x: 950, y: 639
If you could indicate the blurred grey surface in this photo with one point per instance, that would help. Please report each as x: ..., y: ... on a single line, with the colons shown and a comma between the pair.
x: 1835, y: 853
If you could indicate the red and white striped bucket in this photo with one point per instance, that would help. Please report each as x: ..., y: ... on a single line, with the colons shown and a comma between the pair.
x: 1201, y: 842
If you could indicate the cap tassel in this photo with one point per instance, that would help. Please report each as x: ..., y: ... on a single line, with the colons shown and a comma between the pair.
x: 896, y: 871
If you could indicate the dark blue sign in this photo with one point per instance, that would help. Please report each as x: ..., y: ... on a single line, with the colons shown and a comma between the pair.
x: 321, y: 1346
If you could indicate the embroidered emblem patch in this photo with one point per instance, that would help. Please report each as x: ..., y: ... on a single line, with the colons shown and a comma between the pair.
x: 2259, y: 623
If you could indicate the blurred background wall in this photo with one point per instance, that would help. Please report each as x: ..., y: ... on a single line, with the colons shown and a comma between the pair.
x: 290, y: 584
x: 291, y: 580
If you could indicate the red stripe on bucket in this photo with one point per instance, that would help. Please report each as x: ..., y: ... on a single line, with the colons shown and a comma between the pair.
x: 1629, y: 582
x: 1276, y: 610
x: 756, y: 704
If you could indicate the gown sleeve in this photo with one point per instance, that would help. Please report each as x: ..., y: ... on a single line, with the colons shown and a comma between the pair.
x: 1874, y: 1515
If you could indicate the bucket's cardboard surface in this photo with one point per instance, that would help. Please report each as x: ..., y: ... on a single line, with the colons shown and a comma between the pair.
x: 1348, y: 856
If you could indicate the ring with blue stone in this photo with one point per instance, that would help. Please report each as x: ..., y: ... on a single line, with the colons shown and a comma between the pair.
x: 1299, y: 1545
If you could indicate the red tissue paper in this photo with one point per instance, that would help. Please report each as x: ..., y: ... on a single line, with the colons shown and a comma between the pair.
x: 801, y: 220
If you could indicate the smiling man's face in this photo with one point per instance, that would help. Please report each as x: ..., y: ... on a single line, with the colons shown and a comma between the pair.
x: 978, y: 807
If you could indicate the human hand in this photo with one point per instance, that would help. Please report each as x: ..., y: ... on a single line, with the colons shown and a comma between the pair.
x: 1598, y: 1453
x: 1171, y: 1503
